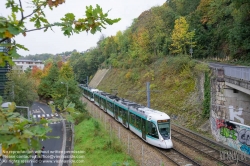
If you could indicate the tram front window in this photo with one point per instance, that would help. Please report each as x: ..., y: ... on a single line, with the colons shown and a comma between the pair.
x: 164, y: 129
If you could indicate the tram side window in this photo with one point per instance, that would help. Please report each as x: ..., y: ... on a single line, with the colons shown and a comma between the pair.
x: 138, y: 122
x: 152, y: 130
x: 124, y: 114
x: 102, y: 102
x: 117, y: 109
x: 110, y: 106
x: 120, y: 112
x: 132, y: 119
x: 96, y: 98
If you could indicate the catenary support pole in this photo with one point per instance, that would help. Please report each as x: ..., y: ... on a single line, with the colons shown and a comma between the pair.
x: 148, y: 94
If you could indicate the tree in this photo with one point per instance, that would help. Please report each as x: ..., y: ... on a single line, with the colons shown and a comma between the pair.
x: 140, y: 46
x: 183, y: 7
x: 181, y: 38
x: 20, y: 88
x: 80, y: 68
x: 156, y: 29
x: 85, y: 64
x: 36, y: 74
x: 95, y: 19
x: 45, y: 89
x: 67, y: 87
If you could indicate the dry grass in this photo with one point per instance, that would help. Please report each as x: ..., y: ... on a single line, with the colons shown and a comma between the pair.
x: 174, y: 85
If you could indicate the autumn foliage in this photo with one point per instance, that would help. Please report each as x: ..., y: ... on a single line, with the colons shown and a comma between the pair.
x: 52, y: 3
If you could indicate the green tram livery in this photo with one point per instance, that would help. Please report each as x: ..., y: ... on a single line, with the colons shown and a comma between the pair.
x: 151, y: 125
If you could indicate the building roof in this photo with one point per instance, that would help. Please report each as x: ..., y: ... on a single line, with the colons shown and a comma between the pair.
x: 25, y: 60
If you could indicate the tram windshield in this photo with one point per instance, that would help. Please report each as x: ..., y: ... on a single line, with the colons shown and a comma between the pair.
x: 164, y: 129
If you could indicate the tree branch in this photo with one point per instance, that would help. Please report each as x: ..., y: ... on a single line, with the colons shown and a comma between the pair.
x: 39, y: 28
x: 20, y: 2
x: 34, y: 11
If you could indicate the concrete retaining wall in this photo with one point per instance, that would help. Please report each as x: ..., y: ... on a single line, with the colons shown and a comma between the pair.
x: 230, y: 115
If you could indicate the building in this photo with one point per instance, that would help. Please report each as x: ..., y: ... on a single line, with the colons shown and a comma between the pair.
x: 24, y: 64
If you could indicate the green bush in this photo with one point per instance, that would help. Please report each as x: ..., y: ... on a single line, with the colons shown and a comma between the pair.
x: 201, y: 68
x: 207, y: 96
x: 178, y: 62
x: 79, y: 117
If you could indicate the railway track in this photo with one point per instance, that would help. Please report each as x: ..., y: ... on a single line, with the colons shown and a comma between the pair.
x: 177, y: 157
x: 208, y: 148
x: 205, y: 146
x: 174, y: 156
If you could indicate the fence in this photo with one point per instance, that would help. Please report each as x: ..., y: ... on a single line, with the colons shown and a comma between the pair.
x: 242, y: 73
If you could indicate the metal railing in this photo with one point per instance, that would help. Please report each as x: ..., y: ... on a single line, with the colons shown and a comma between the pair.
x: 238, y: 72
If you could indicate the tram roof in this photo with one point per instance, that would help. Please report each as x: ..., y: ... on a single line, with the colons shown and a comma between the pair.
x: 134, y: 106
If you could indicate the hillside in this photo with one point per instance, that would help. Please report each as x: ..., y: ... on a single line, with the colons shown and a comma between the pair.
x: 176, y: 86
x: 202, y: 29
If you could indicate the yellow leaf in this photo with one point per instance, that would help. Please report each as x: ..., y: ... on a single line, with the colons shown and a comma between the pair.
x: 8, y: 34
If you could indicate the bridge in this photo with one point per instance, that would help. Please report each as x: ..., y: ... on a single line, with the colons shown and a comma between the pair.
x: 234, y: 78
x: 230, y: 106
x: 230, y: 92
x: 238, y: 78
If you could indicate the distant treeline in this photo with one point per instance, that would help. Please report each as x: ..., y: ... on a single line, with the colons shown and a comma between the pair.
x: 46, y: 56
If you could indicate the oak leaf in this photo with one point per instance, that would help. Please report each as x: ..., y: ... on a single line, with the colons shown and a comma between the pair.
x: 8, y: 34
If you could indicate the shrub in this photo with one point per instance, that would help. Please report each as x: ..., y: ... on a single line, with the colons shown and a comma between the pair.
x: 80, y: 117
x: 206, y: 102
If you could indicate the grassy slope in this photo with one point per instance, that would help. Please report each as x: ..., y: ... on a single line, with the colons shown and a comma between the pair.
x: 174, y: 85
x: 94, y: 140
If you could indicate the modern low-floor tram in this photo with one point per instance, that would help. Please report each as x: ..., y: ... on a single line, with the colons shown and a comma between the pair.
x: 152, y: 126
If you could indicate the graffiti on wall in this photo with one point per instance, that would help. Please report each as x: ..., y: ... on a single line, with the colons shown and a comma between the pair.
x: 244, y: 138
x: 230, y: 133
x: 227, y: 129
x: 245, y: 149
x: 235, y: 114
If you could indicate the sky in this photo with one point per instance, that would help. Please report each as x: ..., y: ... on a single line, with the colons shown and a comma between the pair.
x: 54, y: 42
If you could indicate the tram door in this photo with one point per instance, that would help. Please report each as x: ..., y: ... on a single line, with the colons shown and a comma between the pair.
x: 143, y: 129
x: 116, y: 112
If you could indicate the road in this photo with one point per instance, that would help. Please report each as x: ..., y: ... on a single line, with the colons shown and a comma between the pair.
x: 221, y: 65
x: 53, y: 146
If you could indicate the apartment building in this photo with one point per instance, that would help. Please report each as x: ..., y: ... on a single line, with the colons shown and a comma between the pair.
x: 24, y: 64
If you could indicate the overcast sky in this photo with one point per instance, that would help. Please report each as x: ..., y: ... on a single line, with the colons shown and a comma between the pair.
x: 39, y: 42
